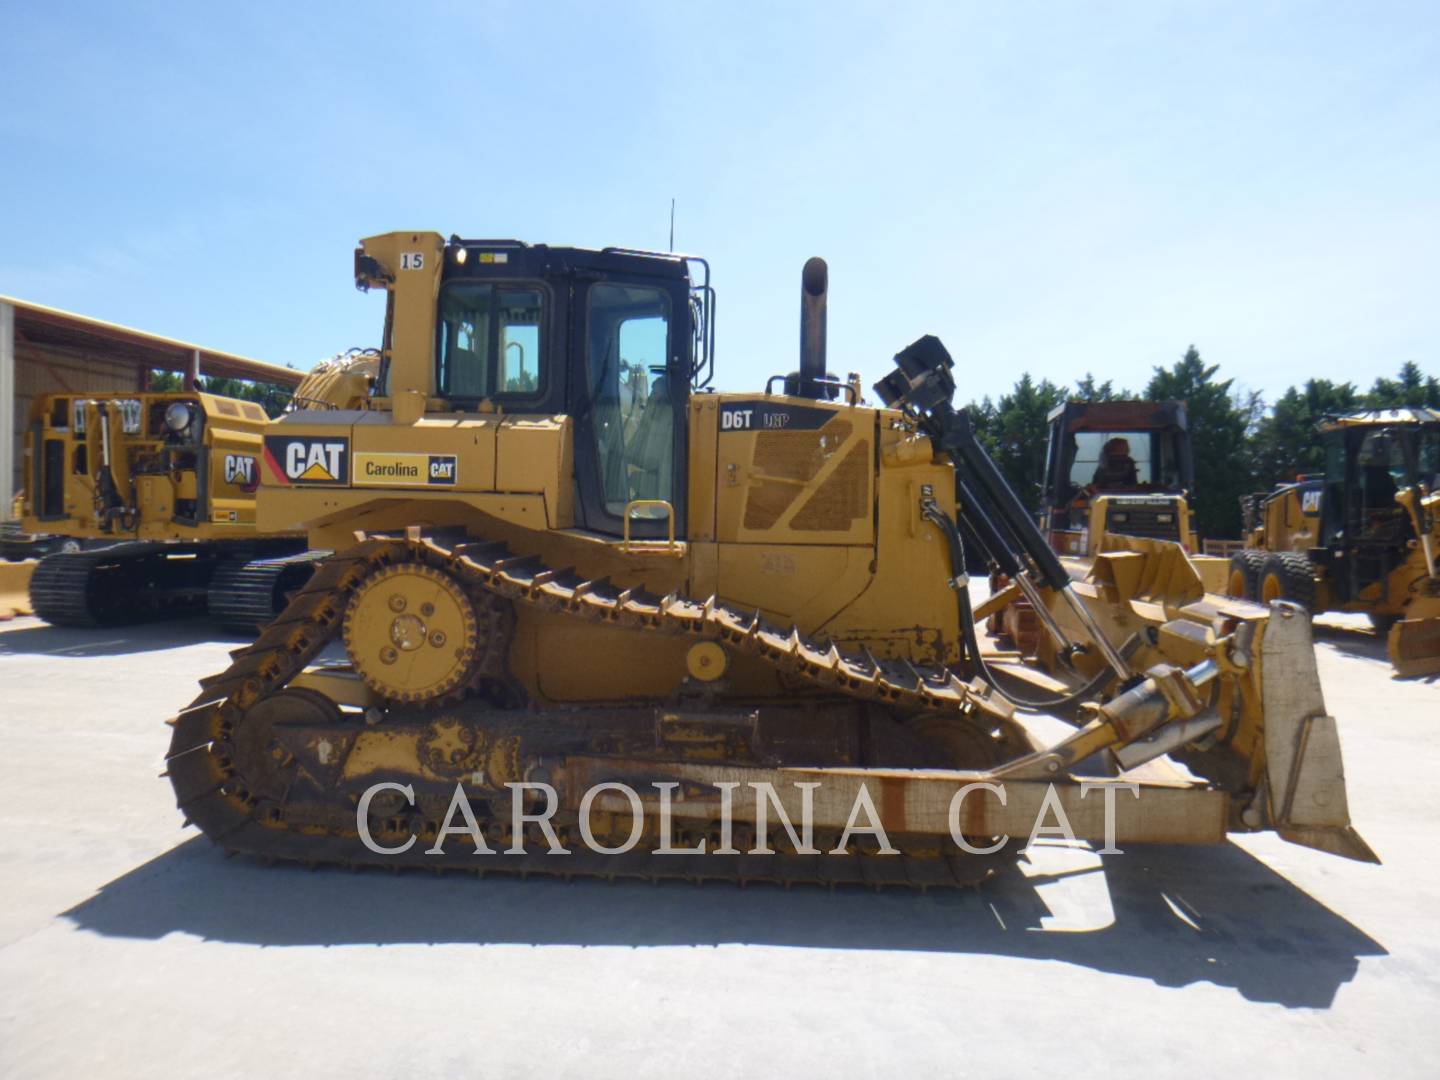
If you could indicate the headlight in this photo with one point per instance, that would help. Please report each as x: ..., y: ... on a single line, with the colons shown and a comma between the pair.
x: 177, y: 417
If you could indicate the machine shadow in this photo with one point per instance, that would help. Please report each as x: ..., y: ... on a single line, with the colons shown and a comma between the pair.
x: 1180, y: 916
x: 1362, y: 643
x: 1352, y: 640
x: 47, y: 640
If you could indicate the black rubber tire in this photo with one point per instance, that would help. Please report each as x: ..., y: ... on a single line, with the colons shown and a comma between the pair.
x: 1294, y: 576
x: 1247, y: 565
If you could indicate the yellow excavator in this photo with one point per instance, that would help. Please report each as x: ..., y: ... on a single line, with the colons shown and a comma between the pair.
x: 149, y: 502
x: 1363, y: 536
x: 581, y: 604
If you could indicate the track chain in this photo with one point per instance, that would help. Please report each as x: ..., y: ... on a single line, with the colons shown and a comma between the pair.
x: 105, y: 586
x: 244, y: 595
x: 213, y: 794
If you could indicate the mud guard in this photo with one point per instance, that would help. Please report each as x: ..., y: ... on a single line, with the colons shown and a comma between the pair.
x: 1306, y: 774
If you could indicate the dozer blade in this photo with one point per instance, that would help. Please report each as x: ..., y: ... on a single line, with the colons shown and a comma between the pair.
x: 15, y: 588
x: 1308, y: 804
x: 1414, y: 643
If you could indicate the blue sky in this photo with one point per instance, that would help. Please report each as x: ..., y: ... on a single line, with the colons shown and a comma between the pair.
x: 1048, y: 187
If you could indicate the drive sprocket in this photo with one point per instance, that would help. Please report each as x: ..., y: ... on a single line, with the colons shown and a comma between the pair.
x: 412, y: 633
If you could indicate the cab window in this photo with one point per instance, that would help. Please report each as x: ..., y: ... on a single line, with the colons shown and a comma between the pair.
x: 1380, y: 470
x: 1125, y: 460
x: 628, y: 330
x: 1111, y: 459
x: 1428, y: 463
x: 491, y: 337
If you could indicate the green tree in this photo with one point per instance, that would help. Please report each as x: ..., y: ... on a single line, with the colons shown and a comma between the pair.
x: 1087, y: 389
x: 1015, y: 431
x: 1411, y: 387
x: 1285, y: 443
x: 1219, y: 425
x: 272, y: 398
x: 166, y: 382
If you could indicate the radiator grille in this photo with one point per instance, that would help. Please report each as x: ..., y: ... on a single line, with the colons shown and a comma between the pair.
x: 841, y: 498
x: 788, y: 461
x: 1144, y: 519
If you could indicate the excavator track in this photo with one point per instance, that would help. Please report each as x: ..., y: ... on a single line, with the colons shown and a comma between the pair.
x: 138, y: 581
x: 244, y: 595
x: 231, y: 782
x: 129, y: 582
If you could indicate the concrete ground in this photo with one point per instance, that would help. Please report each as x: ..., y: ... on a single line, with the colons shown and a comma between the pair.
x: 130, y: 947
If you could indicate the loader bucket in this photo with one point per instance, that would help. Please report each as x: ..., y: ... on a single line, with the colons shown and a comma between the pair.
x: 1414, y: 642
x: 1308, y: 804
x: 15, y: 588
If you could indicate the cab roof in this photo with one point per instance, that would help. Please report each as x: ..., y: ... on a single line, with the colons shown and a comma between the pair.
x: 1410, y: 415
x: 1119, y: 415
x: 485, y: 257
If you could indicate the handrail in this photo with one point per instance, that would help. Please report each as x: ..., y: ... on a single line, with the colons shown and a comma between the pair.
x: 831, y: 381
x: 635, y: 504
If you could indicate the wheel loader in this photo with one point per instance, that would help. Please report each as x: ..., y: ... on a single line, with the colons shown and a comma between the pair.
x: 149, y: 500
x: 1362, y: 536
x: 586, y: 616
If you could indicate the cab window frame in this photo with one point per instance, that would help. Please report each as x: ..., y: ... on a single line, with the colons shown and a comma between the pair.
x: 669, y: 366
x: 546, y: 335
x: 590, y: 496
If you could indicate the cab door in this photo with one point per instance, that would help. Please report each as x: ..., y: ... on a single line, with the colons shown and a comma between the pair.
x: 630, y: 382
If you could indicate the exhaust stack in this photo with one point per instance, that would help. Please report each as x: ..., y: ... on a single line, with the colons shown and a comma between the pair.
x: 809, y: 381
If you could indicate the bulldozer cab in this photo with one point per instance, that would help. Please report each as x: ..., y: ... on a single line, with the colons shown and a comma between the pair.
x: 1117, y: 466
x: 613, y: 339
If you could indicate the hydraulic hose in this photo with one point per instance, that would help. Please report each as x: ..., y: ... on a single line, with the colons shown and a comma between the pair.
x: 960, y: 581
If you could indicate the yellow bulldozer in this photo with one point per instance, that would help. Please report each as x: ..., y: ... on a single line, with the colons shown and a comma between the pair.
x: 584, y: 615
x: 148, y: 500
x: 1362, y: 537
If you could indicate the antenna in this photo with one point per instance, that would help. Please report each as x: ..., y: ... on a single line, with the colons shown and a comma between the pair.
x: 672, y: 225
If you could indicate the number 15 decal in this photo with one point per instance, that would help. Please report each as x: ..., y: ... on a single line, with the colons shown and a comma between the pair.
x: 412, y: 260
